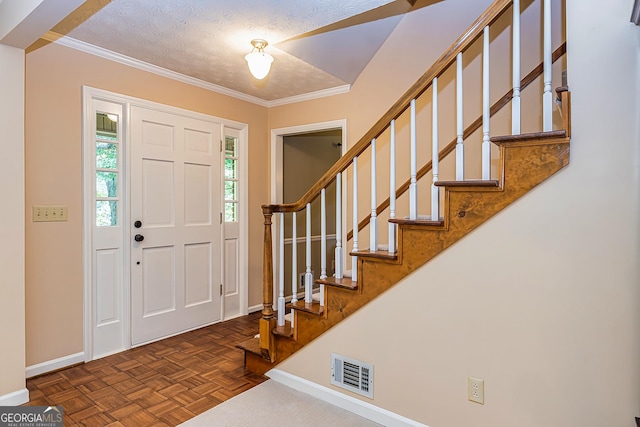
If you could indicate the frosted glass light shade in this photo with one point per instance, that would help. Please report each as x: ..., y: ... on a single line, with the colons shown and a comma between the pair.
x: 259, y: 64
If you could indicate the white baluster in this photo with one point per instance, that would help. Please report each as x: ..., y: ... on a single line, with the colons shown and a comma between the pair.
x: 281, y: 275
x: 338, y: 252
x: 413, y: 186
x: 294, y: 264
x: 459, y: 120
x: 308, y: 276
x: 373, y: 222
x: 354, y: 259
x: 435, y: 156
x: 515, y: 102
x: 486, y: 108
x: 294, y: 259
x: 392, y: 188
x: 323, y: 242
x: 547, y: 98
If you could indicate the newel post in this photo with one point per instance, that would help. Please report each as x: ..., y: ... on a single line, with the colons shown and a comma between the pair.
x: 268, y: 320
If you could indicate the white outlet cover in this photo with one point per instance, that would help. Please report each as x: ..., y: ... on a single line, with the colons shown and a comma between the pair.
x: 475, y: 390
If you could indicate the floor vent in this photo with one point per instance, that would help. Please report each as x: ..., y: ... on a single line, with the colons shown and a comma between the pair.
x: 352, y: 375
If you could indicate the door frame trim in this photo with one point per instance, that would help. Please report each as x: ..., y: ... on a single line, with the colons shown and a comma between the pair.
x: 276, y: 174
x: 277, y: 138
x: 88, y: 95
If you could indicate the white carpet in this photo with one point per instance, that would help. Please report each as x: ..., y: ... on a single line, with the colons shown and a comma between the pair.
x: 274, y: 404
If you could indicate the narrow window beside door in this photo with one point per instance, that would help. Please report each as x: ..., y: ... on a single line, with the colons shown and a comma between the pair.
x: 107, y: 169
x: 231, y: 179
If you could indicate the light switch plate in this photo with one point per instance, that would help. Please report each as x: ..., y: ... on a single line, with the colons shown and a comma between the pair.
x: 475, y: 390
x: 49, y: 213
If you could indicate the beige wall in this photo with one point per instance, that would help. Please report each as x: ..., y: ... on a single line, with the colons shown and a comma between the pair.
x: 12, y: 311
x: 54, y: 281
x: 546, y: 306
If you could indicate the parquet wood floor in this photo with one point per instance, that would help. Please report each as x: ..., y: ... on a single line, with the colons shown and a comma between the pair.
x: 160, y: 384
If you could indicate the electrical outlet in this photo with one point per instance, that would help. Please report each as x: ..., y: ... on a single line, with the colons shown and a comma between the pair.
x: 475, y: 390
x: 49, y: 213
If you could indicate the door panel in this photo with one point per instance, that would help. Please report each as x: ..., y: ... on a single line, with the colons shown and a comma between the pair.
x: 199, y: 288
x: 108, y: 279
x: 175, y: 193
x: 157, y: 193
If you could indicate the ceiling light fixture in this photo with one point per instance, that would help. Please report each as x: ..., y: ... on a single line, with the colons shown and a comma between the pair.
x: 259, y: 61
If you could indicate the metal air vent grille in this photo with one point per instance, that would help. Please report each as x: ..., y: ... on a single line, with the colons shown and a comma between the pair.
x: 352, y: 375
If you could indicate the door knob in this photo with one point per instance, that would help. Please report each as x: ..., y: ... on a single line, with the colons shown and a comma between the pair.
x: 138, y: 238
x: 137, y: 224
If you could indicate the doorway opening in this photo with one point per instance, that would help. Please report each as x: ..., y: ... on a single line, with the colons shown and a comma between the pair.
x: 300, y: 156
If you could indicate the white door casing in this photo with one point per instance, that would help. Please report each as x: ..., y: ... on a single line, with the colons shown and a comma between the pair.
x: 110, y: 263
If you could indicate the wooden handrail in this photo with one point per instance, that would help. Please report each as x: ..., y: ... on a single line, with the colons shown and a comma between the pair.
x: 474, y: 126
x: 467, y: 38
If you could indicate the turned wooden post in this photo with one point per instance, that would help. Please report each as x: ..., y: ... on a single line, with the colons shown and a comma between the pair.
x: 268, y: 320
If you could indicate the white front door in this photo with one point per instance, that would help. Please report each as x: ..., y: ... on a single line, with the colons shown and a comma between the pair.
x: 176, y: 260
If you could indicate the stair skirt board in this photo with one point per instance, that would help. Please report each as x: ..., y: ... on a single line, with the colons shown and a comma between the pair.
x: 351, y: 404
x: 16, y: 398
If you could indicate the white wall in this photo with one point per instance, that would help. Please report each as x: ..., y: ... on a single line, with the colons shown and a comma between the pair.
x: 543, y: 301
x: 12, y: 313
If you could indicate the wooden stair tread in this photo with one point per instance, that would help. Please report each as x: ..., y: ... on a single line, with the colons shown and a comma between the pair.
x: 252, y: 345
x: 490, y: 183
x: 385, y: 255
x: 423, y: 222
x: 553, y: 134
x: 313, y: 308
x: 345, y: 282
x: 284, y: 331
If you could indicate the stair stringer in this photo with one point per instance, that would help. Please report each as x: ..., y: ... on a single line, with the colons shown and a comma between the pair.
x: 525, y: 162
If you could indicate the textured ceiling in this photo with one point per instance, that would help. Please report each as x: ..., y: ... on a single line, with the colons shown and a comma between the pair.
x: 317, y: 44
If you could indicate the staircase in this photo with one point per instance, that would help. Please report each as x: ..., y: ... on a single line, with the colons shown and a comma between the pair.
x: 520, y: 162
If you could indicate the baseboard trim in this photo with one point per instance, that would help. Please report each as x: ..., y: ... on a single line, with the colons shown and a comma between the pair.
x: 254, y: 308
x: 358, y: 407
x: 52, y: 365
x: 16, y: 398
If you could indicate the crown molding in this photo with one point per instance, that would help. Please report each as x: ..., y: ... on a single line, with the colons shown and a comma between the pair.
x: 309, y: 96
x: 163, y: 72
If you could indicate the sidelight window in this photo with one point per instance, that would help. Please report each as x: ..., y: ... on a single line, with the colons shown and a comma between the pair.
x: 107, y: 179
x: 231, y: 179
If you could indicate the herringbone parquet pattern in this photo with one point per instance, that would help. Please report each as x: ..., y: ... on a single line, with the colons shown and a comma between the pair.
x: 160, y: 384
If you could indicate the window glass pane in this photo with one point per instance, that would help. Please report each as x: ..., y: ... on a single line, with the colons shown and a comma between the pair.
x: 107, y: 126
x: 230, y: 169
x: 106, y: 155
x: 230, y: 146
x: 106, y: 213
x: 106, y: 184
x: 230, y: 189
x: 230, y: 212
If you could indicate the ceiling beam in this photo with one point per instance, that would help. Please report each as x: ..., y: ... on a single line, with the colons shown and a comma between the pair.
x: 22, y: 22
